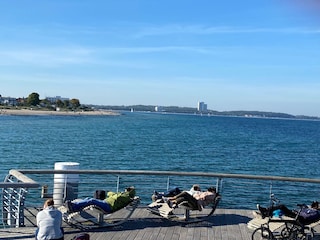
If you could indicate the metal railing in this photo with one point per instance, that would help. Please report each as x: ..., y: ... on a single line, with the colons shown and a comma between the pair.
x: 14, y: 190
x: 238, y: 190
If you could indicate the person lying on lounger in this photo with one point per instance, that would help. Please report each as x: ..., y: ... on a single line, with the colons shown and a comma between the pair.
x: 173, y: 192
x: 195, y: 189
x: 196, y: 201
x: 306, y: 216
x: 112, y: 203
x: 170, y: 193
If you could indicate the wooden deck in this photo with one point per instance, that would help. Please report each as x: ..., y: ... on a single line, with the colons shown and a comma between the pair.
x: 225, y: 224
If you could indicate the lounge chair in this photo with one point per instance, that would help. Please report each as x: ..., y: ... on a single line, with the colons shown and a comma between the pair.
x: 94, y: 217
x: 183, y: 212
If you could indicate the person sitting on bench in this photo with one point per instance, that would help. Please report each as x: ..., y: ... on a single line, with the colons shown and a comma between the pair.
x: 112, y: 203
x: 196, y: 201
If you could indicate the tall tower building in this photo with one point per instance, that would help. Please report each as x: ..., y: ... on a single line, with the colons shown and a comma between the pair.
x: 202, y: 107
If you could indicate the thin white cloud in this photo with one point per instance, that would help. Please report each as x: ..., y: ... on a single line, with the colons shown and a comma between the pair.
x: 139, y: 31
x: 44, y: 57
x: 203, y: 30
x: 57, y: 56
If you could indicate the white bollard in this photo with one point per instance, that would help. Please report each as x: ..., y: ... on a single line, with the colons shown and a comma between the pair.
x: 65, y: 186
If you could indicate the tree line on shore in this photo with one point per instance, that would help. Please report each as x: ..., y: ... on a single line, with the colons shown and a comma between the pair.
x: 34, y: 101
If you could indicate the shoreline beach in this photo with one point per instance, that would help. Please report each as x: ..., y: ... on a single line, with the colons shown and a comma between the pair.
x: 26, y: 112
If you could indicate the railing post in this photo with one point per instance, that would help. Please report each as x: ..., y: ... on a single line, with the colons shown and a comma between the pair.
x: 6, y: 207
x: 118, y: 183
x: 168, y: 183
x: 219, y: 185
x: 20, y: 209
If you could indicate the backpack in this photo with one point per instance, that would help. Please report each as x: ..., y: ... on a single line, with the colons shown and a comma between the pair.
x: 172, y: 192
x: 100, y: 194
x: 309, y: 215
x: 81, y: 236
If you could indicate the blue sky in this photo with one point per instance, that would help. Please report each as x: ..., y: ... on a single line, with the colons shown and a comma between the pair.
x: 234, y: 55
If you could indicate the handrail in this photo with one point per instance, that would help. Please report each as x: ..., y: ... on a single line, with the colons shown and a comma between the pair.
x: 17, y: 184
x: 21, y: 177
x: 24, y: 181
x: 171, y: 173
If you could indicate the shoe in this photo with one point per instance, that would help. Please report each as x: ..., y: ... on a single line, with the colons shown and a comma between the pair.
x: 160, y: 200
x: 68, y: 205
x: 256, y: 214
x: 262, y: 210
x: 170, y: 204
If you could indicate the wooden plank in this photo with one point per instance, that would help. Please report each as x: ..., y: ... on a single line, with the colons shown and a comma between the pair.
x: 189, y: 234
x: 154, y: 233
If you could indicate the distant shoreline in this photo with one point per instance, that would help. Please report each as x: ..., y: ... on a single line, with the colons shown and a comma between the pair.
x: 27, y: 112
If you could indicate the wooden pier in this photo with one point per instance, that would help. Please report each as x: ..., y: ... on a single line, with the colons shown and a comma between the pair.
x: 225, y: 224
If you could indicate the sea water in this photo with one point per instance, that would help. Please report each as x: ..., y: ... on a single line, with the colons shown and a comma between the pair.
x: 164, y: 142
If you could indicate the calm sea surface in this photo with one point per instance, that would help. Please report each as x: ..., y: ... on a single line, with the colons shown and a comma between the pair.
x: 138, y: 141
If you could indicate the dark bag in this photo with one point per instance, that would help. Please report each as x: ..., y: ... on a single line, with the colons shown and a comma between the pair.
x: 100, y: 194
x: 81, y: 236
x: 309, y: 215
x: 172, y: 192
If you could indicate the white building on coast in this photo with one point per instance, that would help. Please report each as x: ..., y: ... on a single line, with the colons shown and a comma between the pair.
x: 55, y: 99
x: 158, y: 108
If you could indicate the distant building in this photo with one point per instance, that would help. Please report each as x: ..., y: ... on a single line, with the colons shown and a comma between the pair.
x: 21, y: 101
x: 202, y: 107
x: 55, y: 99
x: 9, y: 101
x: 158, y: 108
